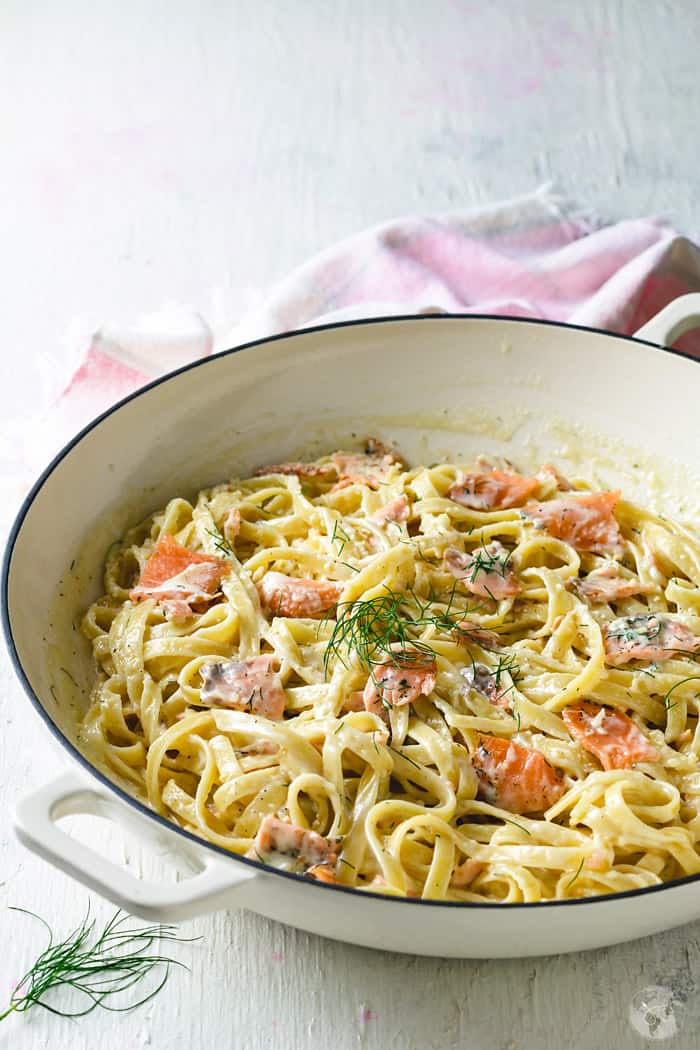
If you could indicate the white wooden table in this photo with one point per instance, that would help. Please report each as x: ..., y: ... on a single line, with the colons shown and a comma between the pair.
x: 197, y: 152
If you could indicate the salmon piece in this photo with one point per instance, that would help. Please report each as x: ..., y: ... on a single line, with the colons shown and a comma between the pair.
x: 291, y: 596
x: 397, y: 510
x: 514, y: 777
x: 612, y: 736
x: 400, y: 680
x: 465, y: 873
x: 375, y: 447
x: 586, y: 522
x: 246, y: 685
x: 597, y: 861
x: 646, y: 637
x: 353, y: 702
x: 176, y: 609
x: 260, y: 747
x: 492, y: 490
x: 300, y: 470
x: 608, y: 585
x: 486, y: 571
x: 290, y: 847
x: 232, y: 524
x: 323, y: 873
x: 548, y: 472
x: 483, y: 637
x: 370, y: 467
x: 178, y: 578
x: 486, y: 682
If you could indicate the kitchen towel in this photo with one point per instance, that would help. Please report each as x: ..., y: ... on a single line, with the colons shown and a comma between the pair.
x: 534, y: 256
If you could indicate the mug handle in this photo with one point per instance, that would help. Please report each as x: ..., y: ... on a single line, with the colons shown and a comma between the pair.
x: 215, y: 885
x: 679, y: 317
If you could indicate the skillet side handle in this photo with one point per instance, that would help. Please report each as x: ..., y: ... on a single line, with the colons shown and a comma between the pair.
x: 215, y: 886
x: 673, y: 321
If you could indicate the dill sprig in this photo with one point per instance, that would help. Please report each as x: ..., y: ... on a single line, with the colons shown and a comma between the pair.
x: 643, y: 628
x: 383, y: 628
x: 373, y: 629
x: 576, y: 875
x: 667, y: 694
x: 221, y: 544
x: 507, y: 664
x: 338, y: 530
x: 96, y: 965
x: 489, y: 561
x: 522, y: 827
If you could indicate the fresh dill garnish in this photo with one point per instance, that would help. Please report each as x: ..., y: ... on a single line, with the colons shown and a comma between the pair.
x: 509, y: 821
x: 370, y: 629
x: 507, y: 664
x: 401, y: 755
x: 222, y: 545
x: 644, y: 628
x: 493, y: 562
x: 573, y: 879
x: 383, y: 629
x: 690, y: 678
x: 489, y: 681
x: 349, y: 566
x: 338, y: 530
x: 96, y: 965
x: 415, y: 546
x: 338, y: 728
x: 341, y: 860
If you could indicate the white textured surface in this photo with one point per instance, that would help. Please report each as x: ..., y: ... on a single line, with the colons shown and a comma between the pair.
x: 197, y: 152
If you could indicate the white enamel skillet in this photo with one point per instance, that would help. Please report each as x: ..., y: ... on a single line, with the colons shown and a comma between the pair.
x: 438, y: 385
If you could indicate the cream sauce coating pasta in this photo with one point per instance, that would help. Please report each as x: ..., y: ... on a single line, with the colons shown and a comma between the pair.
x: 444, y: 681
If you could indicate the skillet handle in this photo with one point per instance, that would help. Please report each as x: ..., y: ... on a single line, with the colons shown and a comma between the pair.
x: 214, y: 886
x: 673, y: 321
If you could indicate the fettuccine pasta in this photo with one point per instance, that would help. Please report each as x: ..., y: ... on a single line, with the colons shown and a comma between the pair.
x: 451, y: 682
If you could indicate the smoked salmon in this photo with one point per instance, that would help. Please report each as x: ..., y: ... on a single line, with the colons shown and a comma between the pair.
x: 353, y: 702
x: 484, y: 680
x: 549, y: 473
x: 486, y: 571
x: 397, y: 510
x: 290, y: 847
x: 291, y: 596
x: 586, y: 522
x: 607, y: 584
x: 370, y: 467
x: 179, y: 579
x: 323, y: 873
x: 232, y: 524
x: 514, y: 777
x: 492, y: 490
x: 481, y: 635
x: 245, y: 685
x: 646, y: 637
x: 613, y: 737
x: 300, y: 470
x: 465, y: 873
x: 400, y: 680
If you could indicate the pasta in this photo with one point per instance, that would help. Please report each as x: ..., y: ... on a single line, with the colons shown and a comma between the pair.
x: 449, y: 682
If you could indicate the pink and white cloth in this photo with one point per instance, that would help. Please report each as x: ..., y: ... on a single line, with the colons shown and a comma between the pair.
x: 534, y: 256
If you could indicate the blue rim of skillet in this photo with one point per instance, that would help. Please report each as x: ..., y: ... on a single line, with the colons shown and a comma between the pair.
x: 169, y: 825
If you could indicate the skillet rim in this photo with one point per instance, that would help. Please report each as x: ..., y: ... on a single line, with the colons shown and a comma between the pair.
x: 93, y: 771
